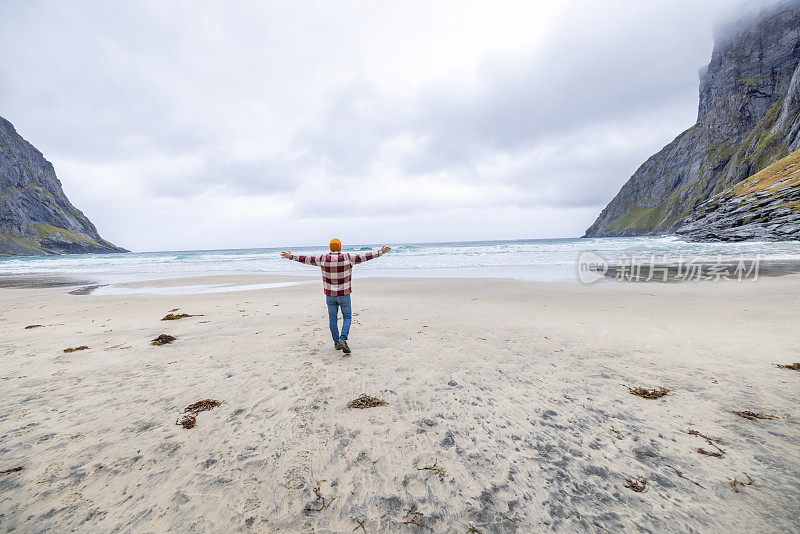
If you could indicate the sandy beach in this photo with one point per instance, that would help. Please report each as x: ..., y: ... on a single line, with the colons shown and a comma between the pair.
x: 513, y: 395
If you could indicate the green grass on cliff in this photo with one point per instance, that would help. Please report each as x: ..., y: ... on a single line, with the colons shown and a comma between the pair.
x: 773, y: 180
x: 640, y: 218
x: 32, y: 244
x: 25, y: 243
x: 664, y: 215
x: 752, y: 81
x: 720, y: 155
x: 48, y: 231
x: 765, y: 144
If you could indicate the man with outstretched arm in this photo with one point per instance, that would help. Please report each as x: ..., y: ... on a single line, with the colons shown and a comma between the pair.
x: 337, y: 268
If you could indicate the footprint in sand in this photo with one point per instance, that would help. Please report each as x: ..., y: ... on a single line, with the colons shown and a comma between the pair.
x: 297, y: 474
x: 50, y: 473
x: 27, y: 429
x: 250, y: 493
x: 71, y: 498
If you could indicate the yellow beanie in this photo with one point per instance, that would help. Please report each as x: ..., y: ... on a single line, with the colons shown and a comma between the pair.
x: 336, y: 245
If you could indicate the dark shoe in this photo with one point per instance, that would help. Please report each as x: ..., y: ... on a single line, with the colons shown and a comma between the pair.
x: 344, y: 347
x: 337, y: 346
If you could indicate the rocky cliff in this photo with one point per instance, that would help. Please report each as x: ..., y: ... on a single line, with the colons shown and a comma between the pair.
x: 35, y: 215
x: 747, y: 119
x: 765, y: 207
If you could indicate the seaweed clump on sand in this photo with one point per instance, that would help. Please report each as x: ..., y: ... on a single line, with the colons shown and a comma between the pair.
x: 656, y: 393
x: 438, y: 470
x: 681, y: 475
x: 365, y: 401
x: 711, y: 441
x: 73, y: 349
x: 753, y: 416
x: 414, y: 516
x: 189, y: 419
x: 736, y: 481
x: 12, y: 470
x: 791, y: 366
x: 323, y: 505
x: 636, y: 484
x: 176, y: 316
x: 163, y: 339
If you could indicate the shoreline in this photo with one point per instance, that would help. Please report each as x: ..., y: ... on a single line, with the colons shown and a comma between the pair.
x: 86, y: 283
x: 548, y: 260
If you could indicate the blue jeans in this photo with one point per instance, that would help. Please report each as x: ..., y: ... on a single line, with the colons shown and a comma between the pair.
x: 334, y: 303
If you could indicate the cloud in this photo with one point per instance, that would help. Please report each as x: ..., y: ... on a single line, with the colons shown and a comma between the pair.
x: 578, y: 80
x: 336, y: 112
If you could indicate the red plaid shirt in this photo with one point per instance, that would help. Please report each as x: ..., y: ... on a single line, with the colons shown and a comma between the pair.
x: 337, y: 268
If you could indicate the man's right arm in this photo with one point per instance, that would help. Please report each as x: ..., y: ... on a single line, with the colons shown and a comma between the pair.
x: 310, y: 260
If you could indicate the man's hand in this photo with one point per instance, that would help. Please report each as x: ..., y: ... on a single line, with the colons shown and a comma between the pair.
x: 385, y: 249
x: 286, y: 255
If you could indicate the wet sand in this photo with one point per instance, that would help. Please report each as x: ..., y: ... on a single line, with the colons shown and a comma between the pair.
x: 40, y: 281
x: 516, y: 390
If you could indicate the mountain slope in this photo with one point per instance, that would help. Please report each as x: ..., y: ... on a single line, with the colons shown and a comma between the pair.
x: 35, y: 215
x: 747, y: 119
x: 766, y: 206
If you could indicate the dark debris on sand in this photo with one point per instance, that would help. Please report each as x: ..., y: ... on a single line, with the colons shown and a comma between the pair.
x: 323, y: 504
x: 74, y: 349
x: 189, y: 419
x: 438, y: 470
x: 163, y: 339
x: 12, y: 470
x: 681, y: 475
x: 753, y: 416
x: 636, y: 484
x: 176, y: 316
x: 711, y: 441
x: 33, y: 326
x: 791, y: 366
x: 365, y: 401
x: 85, y: 290
x: 711, y: 453
x: 414, y: 516
x: 736, y: 481
x: 649, y: 393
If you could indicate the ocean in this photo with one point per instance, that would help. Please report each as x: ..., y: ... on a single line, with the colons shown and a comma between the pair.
x: 527, y: 259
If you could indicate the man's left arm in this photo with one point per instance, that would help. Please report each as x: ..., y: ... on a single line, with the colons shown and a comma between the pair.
x: 360, y: 258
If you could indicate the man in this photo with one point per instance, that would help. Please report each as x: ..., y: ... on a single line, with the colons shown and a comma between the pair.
x: 336, y: 271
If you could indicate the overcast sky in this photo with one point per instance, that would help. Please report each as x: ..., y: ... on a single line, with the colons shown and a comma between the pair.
x: 188, y: 125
